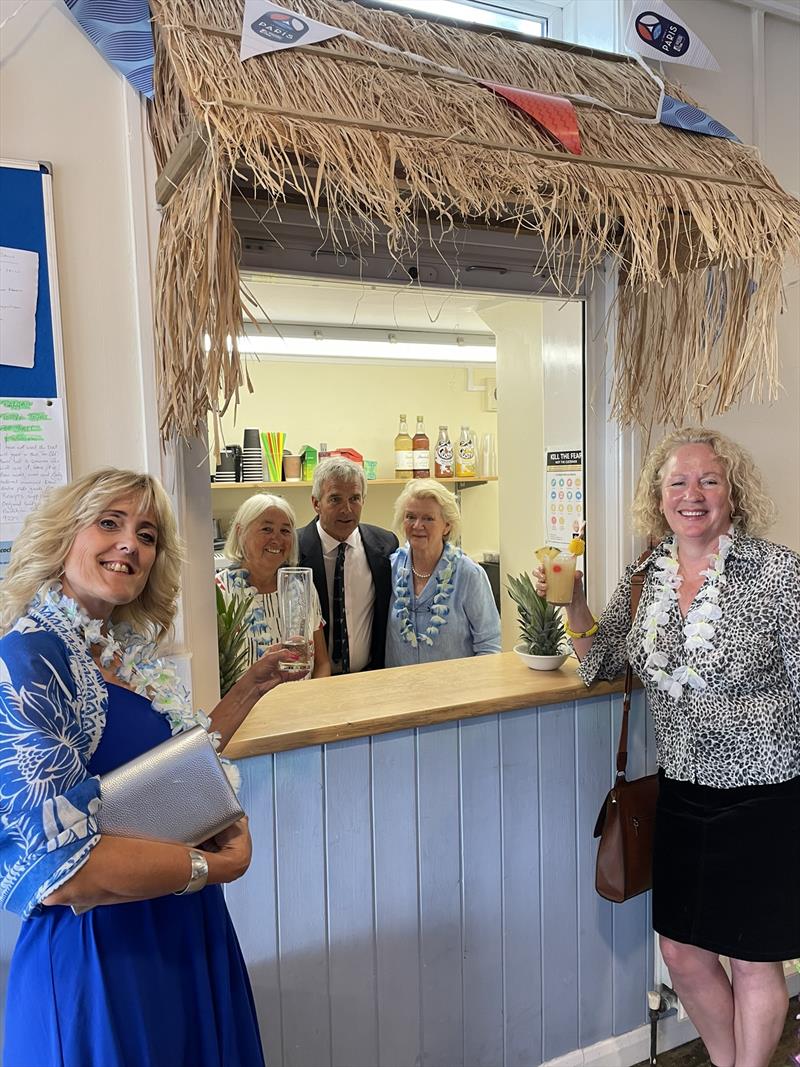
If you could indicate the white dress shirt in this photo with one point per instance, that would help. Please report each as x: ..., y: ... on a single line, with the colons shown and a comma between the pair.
x: 359, y: 595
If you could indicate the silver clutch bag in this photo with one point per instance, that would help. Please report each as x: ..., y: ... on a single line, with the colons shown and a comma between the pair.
x: 178, y: 792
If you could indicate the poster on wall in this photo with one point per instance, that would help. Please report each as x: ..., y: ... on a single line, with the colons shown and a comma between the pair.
x: 564, y: 495
x: 32, y: 459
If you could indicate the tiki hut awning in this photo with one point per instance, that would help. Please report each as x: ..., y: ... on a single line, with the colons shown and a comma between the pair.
x: 395, y: 148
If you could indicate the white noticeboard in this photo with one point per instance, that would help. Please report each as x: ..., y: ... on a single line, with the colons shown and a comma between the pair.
x: 32, y: 459
x: 564, y: 495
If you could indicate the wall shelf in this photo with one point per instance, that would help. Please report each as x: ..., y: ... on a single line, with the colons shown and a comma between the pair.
x: 258, y: 487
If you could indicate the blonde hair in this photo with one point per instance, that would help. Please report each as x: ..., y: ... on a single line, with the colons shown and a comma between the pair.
x: 39, y: 553
x: 252, y: 509
x: 429, y: 489
x: 752, y: 510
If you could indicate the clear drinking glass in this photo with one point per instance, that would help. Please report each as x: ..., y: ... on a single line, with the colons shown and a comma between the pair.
x: 297, y: 625
x: 560, y: 572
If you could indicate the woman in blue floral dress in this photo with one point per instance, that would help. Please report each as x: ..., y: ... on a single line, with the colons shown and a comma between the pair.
x: 151, y: 973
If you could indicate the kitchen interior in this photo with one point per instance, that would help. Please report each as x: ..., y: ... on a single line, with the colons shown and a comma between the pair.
x: 334, y: 363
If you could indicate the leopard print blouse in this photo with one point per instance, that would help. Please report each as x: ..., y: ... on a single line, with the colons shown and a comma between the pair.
x: 744, y: 728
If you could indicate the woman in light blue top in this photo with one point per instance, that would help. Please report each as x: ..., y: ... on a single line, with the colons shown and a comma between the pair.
x: 442, y: 605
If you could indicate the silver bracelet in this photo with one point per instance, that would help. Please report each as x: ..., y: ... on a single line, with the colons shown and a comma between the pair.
x: 199, y: 875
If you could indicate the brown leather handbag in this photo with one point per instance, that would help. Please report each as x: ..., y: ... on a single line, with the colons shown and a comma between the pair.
x: 627, y: 818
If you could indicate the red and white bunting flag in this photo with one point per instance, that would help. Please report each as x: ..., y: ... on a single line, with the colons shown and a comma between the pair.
x: 655, y: 31
x: 554, y: 114
x: 270, y: 28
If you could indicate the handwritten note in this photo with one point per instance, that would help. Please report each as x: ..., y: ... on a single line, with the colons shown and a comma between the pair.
x: 19, y: 281
x: 32, y: 458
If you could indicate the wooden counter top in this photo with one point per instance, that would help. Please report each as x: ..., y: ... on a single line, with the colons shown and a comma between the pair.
x: 297, y: 714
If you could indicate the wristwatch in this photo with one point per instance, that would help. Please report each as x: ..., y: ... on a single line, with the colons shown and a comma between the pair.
x: 199, y: 875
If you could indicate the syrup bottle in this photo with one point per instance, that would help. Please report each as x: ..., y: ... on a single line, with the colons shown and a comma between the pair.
x: 421, y: 451
x: 403, y: 452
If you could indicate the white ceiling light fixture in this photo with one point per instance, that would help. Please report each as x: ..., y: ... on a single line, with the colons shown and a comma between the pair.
x: 355, y: 345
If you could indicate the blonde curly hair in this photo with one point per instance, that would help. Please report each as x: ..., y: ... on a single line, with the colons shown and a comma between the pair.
x: 753, y: 511
x: 38, y: 554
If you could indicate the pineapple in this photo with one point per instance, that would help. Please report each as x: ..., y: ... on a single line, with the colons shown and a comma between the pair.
x: 540, y: 625
x: 231, y: 639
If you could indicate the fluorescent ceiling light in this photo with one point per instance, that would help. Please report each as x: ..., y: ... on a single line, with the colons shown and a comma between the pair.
x: 357, y: 344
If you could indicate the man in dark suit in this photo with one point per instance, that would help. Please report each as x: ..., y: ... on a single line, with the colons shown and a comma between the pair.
x: 350, y: 562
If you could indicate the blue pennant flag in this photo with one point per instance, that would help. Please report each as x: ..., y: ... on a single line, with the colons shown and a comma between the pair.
x: 121, y: 30
x: 686, y: 117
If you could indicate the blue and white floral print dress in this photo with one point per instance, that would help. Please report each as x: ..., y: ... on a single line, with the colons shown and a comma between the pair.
x: 156, y: 982
x: 263, y: 615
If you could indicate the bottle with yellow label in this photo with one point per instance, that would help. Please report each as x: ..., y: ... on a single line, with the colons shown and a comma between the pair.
x: 403, y: 452
x: 466, y: 455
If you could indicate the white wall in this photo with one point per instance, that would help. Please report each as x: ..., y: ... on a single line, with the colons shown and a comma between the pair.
x: 60, y: 101
x: 756, y: 94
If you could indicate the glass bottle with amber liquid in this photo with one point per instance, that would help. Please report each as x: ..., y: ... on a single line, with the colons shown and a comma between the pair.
x: 403, y: 452
x: 421, y: 447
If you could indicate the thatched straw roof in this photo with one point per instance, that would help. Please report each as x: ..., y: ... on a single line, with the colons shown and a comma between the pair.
x: 389, y: 145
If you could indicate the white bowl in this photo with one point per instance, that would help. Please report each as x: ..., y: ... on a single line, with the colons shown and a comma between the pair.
x: 540, y: 663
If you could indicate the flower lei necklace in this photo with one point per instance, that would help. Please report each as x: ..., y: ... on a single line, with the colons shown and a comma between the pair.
x: 139, y: 667
x: 698, y: 626
x: 439, y: 610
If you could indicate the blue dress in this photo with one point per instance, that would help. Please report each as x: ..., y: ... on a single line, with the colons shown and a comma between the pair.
x: 155, y: 983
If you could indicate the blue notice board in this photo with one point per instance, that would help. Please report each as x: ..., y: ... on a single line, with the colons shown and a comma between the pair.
x: 34, y: 452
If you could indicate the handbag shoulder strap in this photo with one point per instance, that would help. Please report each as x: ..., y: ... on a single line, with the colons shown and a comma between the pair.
x: 637, y: 583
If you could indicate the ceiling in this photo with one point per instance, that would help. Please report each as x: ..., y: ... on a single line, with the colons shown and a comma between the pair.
x: 318, y: 301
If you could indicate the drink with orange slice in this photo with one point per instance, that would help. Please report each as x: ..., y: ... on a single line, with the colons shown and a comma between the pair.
x: 559, y: 569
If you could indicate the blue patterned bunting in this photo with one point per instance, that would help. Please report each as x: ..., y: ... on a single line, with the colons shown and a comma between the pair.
x: 122, y: 32
x: 686, y: 117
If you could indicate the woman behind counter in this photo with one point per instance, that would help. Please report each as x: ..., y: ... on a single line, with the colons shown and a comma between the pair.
x: 716, y: 641
x: 154, y: 976
x: 442, y: 605
x: 262, y: 539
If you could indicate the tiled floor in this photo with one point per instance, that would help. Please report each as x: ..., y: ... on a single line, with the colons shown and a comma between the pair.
x: 693, y: 1054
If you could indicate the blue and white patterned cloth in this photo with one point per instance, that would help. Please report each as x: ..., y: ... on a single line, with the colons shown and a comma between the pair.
x: 53, y: 704
x: 263, y: 615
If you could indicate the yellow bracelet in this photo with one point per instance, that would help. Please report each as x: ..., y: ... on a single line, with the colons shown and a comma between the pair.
x: 586, y: 633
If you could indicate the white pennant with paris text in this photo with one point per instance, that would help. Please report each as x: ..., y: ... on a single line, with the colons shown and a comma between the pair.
x: 270, y: 28
x: 655, y: 31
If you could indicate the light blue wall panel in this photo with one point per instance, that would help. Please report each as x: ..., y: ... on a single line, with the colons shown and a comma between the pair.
x: 302, y: 908
x: 351, y: 927
x: 253, y: 902
x: 557, y: 802
x: 483, y: 892
x: 394, y: 783
x: 522, y: 956
x: 595, y: 929
x: 441, y: 919
x: 632, y: 919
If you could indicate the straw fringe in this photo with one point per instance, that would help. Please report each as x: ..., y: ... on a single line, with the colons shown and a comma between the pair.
x: 699, y: 231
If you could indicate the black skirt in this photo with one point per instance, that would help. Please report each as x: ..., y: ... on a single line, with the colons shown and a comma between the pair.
x: 726, y: 868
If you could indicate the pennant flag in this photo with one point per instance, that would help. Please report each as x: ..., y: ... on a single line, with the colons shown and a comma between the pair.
x: 654, y: 30
x: 122, y: 32
x: 270, y: 28
x: 687, y: 117
x: 553, y: 113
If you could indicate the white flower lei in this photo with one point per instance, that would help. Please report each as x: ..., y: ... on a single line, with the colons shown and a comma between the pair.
x: 439, y: 610
x: 139, y: 667
x: 698, y: 626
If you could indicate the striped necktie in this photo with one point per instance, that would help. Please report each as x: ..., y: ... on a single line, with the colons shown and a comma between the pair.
x: 341, y: 650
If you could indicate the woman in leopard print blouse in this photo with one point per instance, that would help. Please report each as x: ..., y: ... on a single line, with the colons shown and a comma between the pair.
x: 716, y: 641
